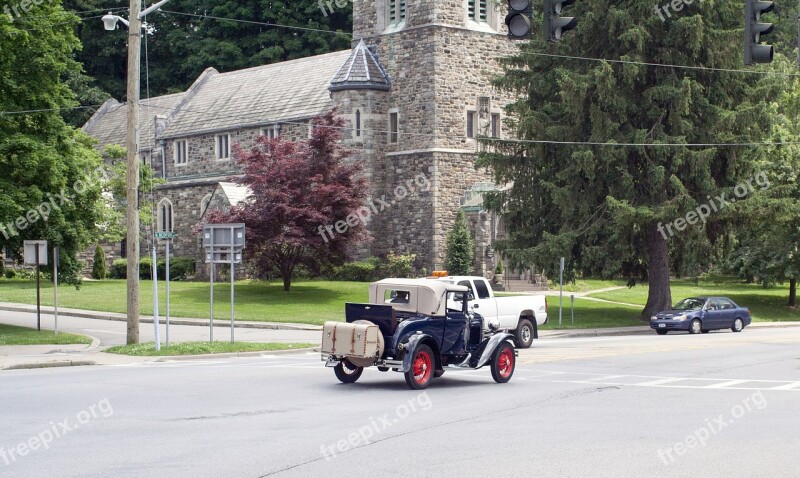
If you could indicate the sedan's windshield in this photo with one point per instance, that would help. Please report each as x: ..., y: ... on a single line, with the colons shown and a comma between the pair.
x: 690, y: 304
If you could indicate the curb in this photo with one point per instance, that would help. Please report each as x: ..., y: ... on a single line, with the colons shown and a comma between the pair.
x: 173, y: 358
x: 63, y: 363
x: 173, y: 321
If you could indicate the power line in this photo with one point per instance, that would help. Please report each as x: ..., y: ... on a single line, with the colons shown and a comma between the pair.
x: 251, y: 22
x: 48, y: 110
x: 663, y: 65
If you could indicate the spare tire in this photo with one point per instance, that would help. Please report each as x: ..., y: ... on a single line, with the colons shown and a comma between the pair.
x: 366, y: 362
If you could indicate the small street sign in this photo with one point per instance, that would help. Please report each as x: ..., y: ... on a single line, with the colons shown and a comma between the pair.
x: 31, y: 250
x: 165, y: 235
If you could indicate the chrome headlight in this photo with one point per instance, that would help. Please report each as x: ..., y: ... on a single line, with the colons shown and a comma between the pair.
x: 680, y: 317
x: 654, y: 318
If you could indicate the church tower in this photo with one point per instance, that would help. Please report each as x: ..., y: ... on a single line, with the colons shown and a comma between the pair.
x: 417, y: 92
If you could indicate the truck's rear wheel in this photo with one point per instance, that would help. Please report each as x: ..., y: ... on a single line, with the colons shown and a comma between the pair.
x: 346, y: 372
x: 422, y: 368
x: 524, y: 334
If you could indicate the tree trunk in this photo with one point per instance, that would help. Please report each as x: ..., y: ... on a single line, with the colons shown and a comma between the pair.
x: 659, y: 296
x: 793, y: 292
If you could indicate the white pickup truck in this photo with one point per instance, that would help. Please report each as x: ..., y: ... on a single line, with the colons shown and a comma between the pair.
x: 523, y: 314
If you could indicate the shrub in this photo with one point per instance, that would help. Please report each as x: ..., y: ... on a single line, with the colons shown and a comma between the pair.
x: 499, y: 269
x: 180, y: 268
x: 359, y: 271
x: 400, y: 266
x: 10, y: 274
x: 119, y: 269
x: 459, y: 248
x: 2, y: 268
x: 99, y: 270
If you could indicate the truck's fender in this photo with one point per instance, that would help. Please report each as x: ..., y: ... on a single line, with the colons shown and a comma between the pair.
x: 491, y: 346
x: 411, y: 346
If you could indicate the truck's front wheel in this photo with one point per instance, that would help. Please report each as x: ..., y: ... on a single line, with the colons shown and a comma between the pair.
x: 524, y: 334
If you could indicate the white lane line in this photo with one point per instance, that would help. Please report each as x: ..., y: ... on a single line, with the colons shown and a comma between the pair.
x: 605, y: 377
x: 655, y: 383
x: 729, y: 383
x: 789, y: 386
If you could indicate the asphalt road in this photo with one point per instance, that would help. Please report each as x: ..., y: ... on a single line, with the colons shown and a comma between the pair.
x: 721, y: 404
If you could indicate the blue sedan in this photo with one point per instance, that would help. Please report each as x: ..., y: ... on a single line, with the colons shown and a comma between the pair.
x: 701, y: 314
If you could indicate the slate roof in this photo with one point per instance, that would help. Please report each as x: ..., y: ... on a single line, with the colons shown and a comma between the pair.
x: 236, y: 193
x: 296, y: 89
x: 109, y: 124
x: 362, y: 70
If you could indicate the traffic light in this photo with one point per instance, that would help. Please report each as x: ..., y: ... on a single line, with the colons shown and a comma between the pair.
x: 554, y: 24
x: 519, y: 19
x: 754, y: 52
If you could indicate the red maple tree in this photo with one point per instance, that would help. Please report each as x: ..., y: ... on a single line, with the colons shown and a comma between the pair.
x: 300, y: 192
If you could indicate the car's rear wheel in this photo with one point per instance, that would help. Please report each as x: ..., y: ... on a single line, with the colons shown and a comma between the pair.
x: 503, y: 363
x: 422, y: 368
x: 661, y: 332
x: 524, y: 334
x: 346, y: 372
x: 696, y: 327
x: 738, y: 325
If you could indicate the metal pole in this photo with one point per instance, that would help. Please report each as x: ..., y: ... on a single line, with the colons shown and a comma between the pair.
x: 167, y: 278
x: 211, y: 262
x: 55, y: 285
x: 572, y: 307
x: 155, y: 297
x: 233, y: 255
x: 798, y: 33
x: 38, y: 294
x: 132, y: 183
x: 561, y: 291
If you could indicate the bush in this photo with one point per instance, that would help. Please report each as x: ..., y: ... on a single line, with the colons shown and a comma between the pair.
x: 119, y: 269
x: 2, y: 268
x: 359, y: 271
x: 459, y: 248
x: 99, y: 270
x: 399, y: 266
x: 10, y: 274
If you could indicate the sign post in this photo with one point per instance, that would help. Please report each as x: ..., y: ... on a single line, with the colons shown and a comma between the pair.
x: 167, y: 237
x: 155, y: 298
x: 572, y: 307
x: 35, y: 253
x: 224, y: 244
x: 561, y: 290
x: 55, y: 285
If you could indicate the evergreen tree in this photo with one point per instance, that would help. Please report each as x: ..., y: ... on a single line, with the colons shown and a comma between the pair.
x: 99, y: 270
x: 606, y: 206
x: 460, y: 248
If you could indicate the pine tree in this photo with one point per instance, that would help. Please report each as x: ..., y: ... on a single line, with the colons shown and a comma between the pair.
x: 606, y: 206
x: 99, y: 270
x: 460, y: 248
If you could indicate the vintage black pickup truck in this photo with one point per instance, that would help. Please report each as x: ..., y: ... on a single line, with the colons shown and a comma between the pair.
x: 407, y: 327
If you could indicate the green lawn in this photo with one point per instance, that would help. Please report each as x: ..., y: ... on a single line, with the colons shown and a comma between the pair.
x: 587, y: 285
x: 766, y: 305
x: 11, y: 335
x: 591, y: 314
x: 309, y: 302
x: 201, y: 348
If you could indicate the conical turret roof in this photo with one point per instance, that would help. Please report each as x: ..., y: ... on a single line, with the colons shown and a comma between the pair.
x: 362, y: 70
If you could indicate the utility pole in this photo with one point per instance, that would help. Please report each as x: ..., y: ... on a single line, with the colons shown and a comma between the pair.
x: 132, y: 208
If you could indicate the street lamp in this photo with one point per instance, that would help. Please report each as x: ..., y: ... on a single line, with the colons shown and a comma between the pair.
x: 132, y: 206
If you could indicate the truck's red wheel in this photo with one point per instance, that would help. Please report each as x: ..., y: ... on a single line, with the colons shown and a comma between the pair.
x: 346, y: 372
x: 503, y: 363
x: 422, y: 368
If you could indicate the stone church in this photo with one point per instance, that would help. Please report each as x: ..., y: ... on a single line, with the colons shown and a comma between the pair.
x: 415, y: 91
